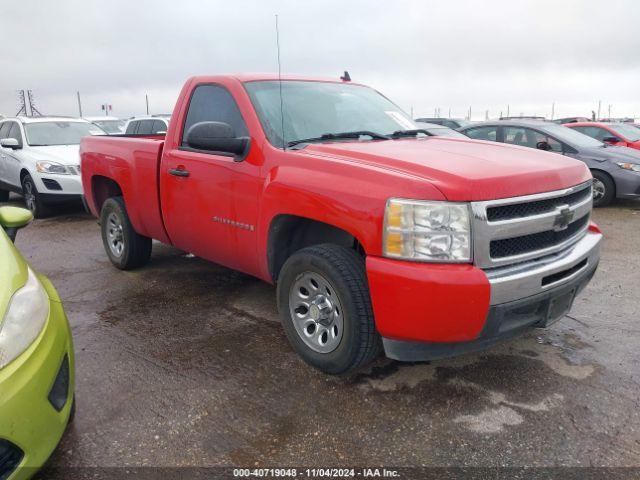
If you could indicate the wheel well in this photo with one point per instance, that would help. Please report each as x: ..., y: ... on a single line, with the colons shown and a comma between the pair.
x: 290, y: 233
x: 23, y: 173
x: 104, y: 188
x: 603, y: 172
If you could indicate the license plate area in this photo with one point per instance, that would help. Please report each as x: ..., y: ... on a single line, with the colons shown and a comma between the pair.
x: 559, y: 306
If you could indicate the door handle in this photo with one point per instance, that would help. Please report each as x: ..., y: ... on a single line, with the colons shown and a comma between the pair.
x: 179, y: 172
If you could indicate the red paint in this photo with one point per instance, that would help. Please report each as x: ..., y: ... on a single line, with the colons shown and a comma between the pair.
x: 625, y: 141
x: 428, y: 302
x: 344, y: 184
x: 593, y: 227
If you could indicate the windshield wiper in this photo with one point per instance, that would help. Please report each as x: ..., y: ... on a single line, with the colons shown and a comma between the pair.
x: 409, y: 133
x: 339, y: 136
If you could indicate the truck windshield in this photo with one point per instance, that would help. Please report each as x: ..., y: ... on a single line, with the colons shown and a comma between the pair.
x: 41, y: 134
x: 313, y: 109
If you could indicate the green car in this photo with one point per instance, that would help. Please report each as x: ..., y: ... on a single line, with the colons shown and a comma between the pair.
x: 36, y: 359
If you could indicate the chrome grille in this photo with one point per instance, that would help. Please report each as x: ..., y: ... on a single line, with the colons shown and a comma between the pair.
x: 518, y: 229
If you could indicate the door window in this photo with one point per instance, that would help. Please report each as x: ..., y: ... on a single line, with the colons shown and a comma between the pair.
x: 526, y: 137
x: 131, y: 128
x: 145, y: 127
x: 157, y: 127
x: 14, y: 132
x: 213, y: 103
x: 483, y: 133
x: 4, y: 129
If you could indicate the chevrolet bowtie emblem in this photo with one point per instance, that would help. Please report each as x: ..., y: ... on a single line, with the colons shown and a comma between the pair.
x: 563, y: 218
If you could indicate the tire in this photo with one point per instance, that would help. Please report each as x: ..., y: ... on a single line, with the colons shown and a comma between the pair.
x: 72, y: 412
x: 124, y: 246
x: 4, y: 196
x: 32, y: 198
x: 338, y: 306
x: 604, y: 190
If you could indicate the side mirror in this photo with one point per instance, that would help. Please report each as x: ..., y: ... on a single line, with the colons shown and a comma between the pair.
x: 11, y: 143
x: 543, y: 146
x: 14, y: 218
x: 611, y: 140
x: 217, y: 137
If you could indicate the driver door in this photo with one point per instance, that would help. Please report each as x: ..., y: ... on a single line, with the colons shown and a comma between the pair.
x: 203, y: 193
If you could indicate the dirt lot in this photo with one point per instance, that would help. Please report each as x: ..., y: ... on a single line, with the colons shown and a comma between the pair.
x: 185, y: 363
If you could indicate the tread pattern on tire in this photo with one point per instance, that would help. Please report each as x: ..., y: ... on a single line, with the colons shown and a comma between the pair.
x: 352, y: 269
x: 139, y: 248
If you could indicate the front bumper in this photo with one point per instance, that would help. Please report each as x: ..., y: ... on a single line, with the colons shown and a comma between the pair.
x: 53, y: 186
x: 627, y: 183
x: 34, y: 411
x: 426, y: 311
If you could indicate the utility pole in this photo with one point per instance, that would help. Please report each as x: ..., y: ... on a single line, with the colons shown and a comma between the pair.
x: 599, y: 105
x: 79, y: 105
x: 469, y: 112
x: 22, y: 102
x: 32, y: 104
x: 146, y: 98
x: 486, y: 115
x: 553, y: 109
x: 609, y: 111
x: 507, y: 110
x: 449, y: 112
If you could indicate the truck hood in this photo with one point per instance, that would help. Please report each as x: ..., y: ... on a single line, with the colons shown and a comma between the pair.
x: 64, y: 154
x: 464, y: 170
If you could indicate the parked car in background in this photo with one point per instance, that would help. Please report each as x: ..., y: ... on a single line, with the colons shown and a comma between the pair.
x: 39, y: 159
x: 562, y: 121
x: 615, y: 170
x: 453, y: 123
x: 619, y: 134
x: 36, y: 359
x: 152, y: 125
x: 375, y: 235
x: 439, y: 130
x: 111, y: 125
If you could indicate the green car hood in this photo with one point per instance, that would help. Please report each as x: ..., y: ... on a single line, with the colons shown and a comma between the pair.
x: 13, y: 272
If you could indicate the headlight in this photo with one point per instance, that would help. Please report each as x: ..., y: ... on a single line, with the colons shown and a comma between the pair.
x: 52, y: 167
x: 634, y: 167
x: 26, y: 315
x: 427, y: 231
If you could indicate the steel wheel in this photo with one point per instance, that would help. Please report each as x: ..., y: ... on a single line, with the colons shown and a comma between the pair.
x: 115, y: 235
x: 28, y: 191
x: 599, y: 189
x: 317, y: 312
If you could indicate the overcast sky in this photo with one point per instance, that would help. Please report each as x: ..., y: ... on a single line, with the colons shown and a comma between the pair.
x: 422, y: 54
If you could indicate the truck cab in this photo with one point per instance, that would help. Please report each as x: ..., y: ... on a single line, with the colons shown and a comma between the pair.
x: 377, y: 234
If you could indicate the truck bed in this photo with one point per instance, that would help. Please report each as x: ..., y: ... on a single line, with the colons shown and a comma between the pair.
x: 130, y: 164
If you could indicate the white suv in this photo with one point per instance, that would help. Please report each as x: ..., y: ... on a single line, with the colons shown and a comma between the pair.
x: 39, y: 159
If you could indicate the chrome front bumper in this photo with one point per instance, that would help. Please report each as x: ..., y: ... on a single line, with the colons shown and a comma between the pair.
x: 525, y: 279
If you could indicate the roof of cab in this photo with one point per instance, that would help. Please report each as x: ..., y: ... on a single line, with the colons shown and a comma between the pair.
x: 256, y: 77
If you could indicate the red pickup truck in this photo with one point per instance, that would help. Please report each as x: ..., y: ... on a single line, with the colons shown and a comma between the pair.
x: 377, y: 234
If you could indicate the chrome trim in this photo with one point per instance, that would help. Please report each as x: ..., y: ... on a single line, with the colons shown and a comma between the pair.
x: 525, y: 279
x: 485, y: 231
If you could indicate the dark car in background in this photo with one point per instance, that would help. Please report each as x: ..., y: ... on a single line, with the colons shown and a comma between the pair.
x: 441, y: 130
x: 453, y: 123
x: 620, y: 134
x: 615, y: 170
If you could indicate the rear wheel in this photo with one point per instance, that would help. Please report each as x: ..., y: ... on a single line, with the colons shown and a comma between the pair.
x: 324, y: 303
x: 32, y: 198
x: 604, y: 190
x: 125, y: 247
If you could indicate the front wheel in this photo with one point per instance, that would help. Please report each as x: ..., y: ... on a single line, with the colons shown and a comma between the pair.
x: 125, y: 247
x: 604, y: 190
x: 33, y: 198
x: 324, y: 303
